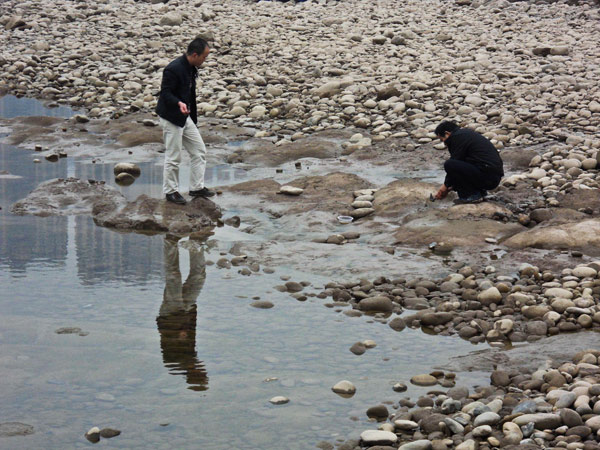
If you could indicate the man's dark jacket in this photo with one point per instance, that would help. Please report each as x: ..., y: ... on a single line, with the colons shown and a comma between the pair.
x: 471, y: 147
x: 178, y: 85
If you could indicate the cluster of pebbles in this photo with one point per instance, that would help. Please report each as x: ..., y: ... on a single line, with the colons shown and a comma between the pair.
x: 519, y: 71
x: 482, y: 306
x: 553, y: 407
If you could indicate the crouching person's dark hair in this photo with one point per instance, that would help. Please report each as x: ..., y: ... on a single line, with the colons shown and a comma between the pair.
x: 445, y: 126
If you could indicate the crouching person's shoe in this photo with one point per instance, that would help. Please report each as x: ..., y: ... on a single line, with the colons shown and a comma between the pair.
x: 475, y: 198
x: 204, y: 192
x: 175, y: 197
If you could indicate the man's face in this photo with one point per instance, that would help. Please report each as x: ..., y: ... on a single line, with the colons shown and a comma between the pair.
x: 444, y: 137
x: 197, y: 60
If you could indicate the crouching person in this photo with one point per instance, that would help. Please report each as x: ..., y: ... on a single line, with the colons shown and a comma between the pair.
x: 474, y: 166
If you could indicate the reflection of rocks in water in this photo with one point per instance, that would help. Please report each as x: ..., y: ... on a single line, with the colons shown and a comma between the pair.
x: 177, y: 316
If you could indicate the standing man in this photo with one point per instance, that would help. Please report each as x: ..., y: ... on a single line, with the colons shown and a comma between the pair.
x: 474, y: 166
x: 178, y: 117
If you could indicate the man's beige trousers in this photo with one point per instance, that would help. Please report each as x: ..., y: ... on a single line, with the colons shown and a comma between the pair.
x: 175, y: 139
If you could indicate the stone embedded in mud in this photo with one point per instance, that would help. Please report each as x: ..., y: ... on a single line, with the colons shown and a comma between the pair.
x: 336, y: 239
x: 130, y: 168
x: 291, y: 190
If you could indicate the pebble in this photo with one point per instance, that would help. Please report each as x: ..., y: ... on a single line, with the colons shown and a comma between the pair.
x: 344, y: 387
x: 291, y: 190
x: 423, y: 380
x: 279, y: 400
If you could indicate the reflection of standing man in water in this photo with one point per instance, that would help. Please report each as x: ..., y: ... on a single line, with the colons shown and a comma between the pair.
x: 177, y: 316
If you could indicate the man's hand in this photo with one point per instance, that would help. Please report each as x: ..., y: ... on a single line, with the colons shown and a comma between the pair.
x: 442, y: 192
x: 183, y: 108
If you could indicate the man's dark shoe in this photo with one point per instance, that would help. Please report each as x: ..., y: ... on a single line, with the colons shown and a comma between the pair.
x: 475, y: 198
x: 204, y: 192
x: 175, y: 197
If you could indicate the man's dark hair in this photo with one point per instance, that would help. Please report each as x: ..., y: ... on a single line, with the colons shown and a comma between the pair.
x: 197, y: 46
x: 447, y: 125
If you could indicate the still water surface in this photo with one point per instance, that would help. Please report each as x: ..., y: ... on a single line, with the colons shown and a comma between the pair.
x: 172, y: 354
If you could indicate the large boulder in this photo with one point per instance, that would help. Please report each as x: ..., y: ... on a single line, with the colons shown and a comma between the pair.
x: 581, y: 234
x: 158, y: 215
x: 397, y: 195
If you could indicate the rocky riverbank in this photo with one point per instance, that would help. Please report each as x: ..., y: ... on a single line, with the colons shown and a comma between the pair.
x: 553, y: 407
x: 521, y: 72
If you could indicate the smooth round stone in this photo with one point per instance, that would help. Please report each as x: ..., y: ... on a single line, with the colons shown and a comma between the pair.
x: 279, y: 400
x: 379, y: 412
x: 378, y: 437
x: 424, y: 380
x: 358, y: 348
x: 421, y: 444
x: 262, y: 304
x: 454, y: 426
x: 405, y: 425
x: 290, y: 190
x: 344, y: 387
x: 482, y: 431
x: 399, y: 387
x: 558, y: 292
x: 369, y: 343
x: 541, y: 421
x: 565, y: 401
x: 584, y: 272
x: 486, y: 418
x: 489, y: 296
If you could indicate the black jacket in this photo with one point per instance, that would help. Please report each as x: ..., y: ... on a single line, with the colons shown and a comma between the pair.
x: 178, y: 85
x: 469, y: 146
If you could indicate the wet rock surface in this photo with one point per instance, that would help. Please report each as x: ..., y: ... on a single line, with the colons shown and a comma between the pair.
x: 70, y: 196
x: 157, y: 215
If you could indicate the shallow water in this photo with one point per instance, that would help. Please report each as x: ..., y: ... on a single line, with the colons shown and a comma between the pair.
x: 175, y: 358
